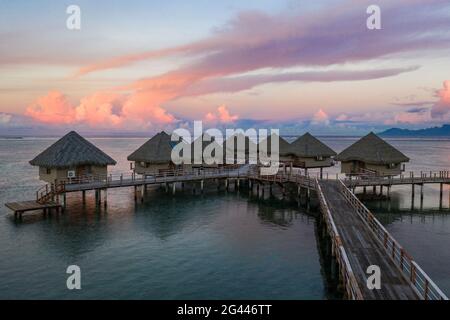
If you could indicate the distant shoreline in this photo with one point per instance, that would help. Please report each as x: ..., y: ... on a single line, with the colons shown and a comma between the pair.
x: 422, y: 138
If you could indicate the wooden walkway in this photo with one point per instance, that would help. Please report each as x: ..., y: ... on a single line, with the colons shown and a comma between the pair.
x: 364, y: 250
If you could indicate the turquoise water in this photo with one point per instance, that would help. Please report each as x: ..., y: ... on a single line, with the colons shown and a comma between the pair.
x: 213, y: 246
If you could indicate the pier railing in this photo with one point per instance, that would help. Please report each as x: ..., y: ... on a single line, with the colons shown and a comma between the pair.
x: 351, y: 285
x: 405, y: 178
x: 165, y: 176
x: 285, y: 177
x: 426, y: 288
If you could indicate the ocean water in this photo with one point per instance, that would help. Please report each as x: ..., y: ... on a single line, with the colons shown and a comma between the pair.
x: 212, y: 246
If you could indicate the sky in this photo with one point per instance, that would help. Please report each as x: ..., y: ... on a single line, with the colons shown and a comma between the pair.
x: 146, y: 66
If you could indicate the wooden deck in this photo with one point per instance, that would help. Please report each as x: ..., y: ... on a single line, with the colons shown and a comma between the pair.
x: 23, y: 206
x: 363, y: 250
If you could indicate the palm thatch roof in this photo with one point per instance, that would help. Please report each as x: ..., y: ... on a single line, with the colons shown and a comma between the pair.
x: 283, y: 145
x: 308, y: 146
x: 231, y: 147
x: 156, y: 150
x: 70, y: 151
x: 372, y: 149
x: 248, y: 145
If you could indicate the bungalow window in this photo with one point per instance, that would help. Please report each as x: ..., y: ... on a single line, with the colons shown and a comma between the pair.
x: 392, y: 165
x: 319, y: 158
x: 48, y: 171
x: 142, y: 164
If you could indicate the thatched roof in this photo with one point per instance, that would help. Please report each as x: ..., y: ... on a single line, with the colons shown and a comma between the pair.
x: 230, y: 153
x: 283, y: 145
x: 238, y: 137
x: 372, y: 149
x: 70, y: 151
x: 156, y: 150
x: 308, y: 146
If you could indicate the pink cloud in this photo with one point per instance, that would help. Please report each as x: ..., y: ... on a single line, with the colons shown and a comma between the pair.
x: 100, y: 109
x: 442, y: 107
x: 97, y: 109
x: 54, y: 108
x: 324, y: 37
x: 321, y: 117
x: 222, y: 115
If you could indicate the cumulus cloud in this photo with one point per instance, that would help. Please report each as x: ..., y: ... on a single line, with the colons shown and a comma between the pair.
x: 442, y: 107
x: 52, y: 108
x: 222, y: 115
x: 101, y: 109
x: 320, y: 117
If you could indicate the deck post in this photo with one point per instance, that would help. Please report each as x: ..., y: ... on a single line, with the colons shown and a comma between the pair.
x: 374, y: 190
x: 441, y: 192
x: 99, y: 196
x: 105, y: 202
x: 364, y: 190
x: 64, y: 201
x: 299, y: 190
x: 226, y: 184
x: 201, y: 186
x: 389, y: 192
x: 381, y: 190
x: 83, y: 195
x: 321, y: 173
x: 135, y: 193
x: 142, y: 193
x: 174, y: 188
x: 238, y: 182
x: 421, y: 196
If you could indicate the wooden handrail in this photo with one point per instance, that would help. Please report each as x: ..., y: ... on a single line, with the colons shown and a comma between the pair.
x: 351, y: 285
x: 426, y: 288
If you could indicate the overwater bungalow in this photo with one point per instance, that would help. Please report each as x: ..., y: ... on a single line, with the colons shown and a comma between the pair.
x: 372, y: 155
x: 154, y: 156
x: 71, y: 157
x: 308, y: 152
x: 232, y: 149
x: 284, y: 151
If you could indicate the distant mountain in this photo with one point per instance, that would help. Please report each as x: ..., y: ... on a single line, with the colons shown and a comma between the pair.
x: 443, y: 131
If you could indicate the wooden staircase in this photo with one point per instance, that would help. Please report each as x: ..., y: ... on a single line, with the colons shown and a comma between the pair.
x: 47, y: 193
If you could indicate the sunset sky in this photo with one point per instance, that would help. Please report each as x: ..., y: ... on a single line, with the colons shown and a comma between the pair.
x: 143, y: 66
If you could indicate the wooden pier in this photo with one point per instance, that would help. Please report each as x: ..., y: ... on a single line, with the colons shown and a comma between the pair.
x: 357, y: 238
x: 24, y: 206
